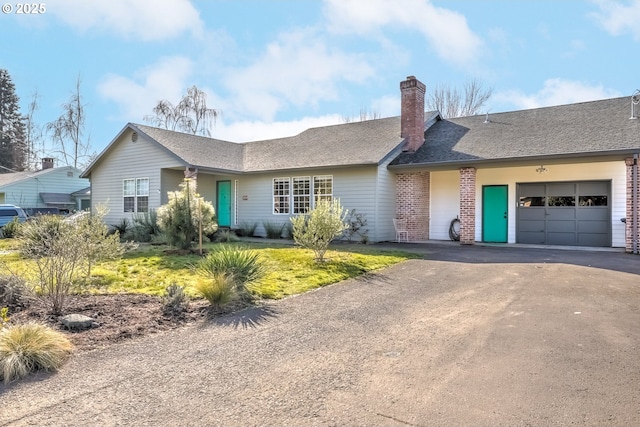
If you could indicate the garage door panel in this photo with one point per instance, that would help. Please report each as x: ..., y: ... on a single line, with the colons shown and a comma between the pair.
x: 561, y: 214
x: 600, y: 227
x: 561, y: 226
x: 532, y: 214
x: 561, y: 189
x: 586, y: 188
x: 529, y: 226
x: 567, y: 239
x: 591, y: 214
x: 532, y: 237
x: 593, y: 239
x: 568, y: 213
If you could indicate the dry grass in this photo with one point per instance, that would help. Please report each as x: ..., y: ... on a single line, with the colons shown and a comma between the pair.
x: 30, y: 347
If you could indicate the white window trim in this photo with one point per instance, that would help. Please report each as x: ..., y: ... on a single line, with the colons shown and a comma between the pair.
x: 135, y: 194
x: 312, y: 194
x: 273, y: 195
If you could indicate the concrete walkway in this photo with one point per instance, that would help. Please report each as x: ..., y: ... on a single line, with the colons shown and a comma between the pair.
x: 466, y: 336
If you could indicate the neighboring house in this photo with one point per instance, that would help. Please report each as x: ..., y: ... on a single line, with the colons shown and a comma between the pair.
x: 48, y: 188
x: 563, y: 175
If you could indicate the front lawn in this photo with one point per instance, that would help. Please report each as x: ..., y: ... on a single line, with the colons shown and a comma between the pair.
x: 290, y: 270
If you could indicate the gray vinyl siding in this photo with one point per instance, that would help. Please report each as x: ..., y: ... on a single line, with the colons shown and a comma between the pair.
x: 385, y: 200
x: 26, y: 193
x: 126, y: 160
x: 354, y: 187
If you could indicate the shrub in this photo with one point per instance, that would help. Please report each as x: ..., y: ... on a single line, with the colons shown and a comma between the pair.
x: 144, y: 227
x: 317, y: 229
x: 186, y: 215
x: 247, y: 229
x: 226, y: 236
x: 31, y: 347
x: 175, y: 301
x: 122, y: 227
x: 10, y: 229
x: 357, y: 223
x: 219, y: 289
x: 63, y: 250
x: 273, y: 229
x: 14, y: 292
x: 241, y: 264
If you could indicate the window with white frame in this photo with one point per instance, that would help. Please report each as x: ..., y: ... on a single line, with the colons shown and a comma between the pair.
x: 281, y: 196
x: 293, y: 195
x: 135, y: 192
x: 323, y: 188
x: 301, y: 194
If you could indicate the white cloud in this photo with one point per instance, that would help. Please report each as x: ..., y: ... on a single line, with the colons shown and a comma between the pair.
x: 298, y: 69
x: 555, y: 92
x: 144, y: 20
x: 618, y: 18
x: 136, y: 97
x: 243, y: 131
x: 446, y: 31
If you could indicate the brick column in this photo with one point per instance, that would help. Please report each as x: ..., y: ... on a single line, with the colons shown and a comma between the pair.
x: 467, y: 206
x: 412, y: 203
x: 629, y: 237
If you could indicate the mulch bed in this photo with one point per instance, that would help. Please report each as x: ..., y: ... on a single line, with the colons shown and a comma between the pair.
x: 117, y: 317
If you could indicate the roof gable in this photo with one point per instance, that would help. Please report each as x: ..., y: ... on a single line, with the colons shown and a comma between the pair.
x: 15, y: 177
x: 357, y: 143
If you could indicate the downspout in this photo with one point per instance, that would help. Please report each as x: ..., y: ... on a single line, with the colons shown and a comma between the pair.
x: 634, y: 203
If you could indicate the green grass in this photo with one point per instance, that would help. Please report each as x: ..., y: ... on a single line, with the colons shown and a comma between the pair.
x: 290, y: 270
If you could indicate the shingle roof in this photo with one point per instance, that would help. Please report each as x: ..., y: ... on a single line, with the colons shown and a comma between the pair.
x: 198, y: 151
x: 576, y: 129
x: 12, y: 177
x: 357, y: 143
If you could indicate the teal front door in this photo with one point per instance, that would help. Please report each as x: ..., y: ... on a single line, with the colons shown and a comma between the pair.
x: 223, y: 208
x: 495, y: 213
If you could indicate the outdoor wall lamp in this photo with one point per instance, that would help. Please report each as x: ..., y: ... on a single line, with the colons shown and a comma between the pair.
x: 542, y: 169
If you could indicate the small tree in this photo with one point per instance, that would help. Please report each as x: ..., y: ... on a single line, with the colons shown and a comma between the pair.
x: 186, y: 215
x: 62, y: 250
x: 320, y: 226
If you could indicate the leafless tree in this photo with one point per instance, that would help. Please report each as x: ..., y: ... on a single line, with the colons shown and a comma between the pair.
x: 451, y: 102
x: 190, y: 115
x: 34, y: 134
x: 364, y: 115
x: 68, y: 129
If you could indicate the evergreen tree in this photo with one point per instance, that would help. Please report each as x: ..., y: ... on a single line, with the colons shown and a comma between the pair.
x: 13, y: 146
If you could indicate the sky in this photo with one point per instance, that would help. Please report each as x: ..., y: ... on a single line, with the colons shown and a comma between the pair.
x: 276, y: 68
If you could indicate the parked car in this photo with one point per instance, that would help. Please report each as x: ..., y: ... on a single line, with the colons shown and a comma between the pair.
x: 8, y: 212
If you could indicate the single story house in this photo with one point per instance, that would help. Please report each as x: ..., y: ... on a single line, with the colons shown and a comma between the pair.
x: 564, y: 175
x: 51, y: 188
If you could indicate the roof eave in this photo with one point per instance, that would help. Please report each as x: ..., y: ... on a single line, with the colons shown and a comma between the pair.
x: 587, y: 157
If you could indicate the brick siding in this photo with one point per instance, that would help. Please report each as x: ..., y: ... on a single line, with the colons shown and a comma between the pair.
x: 412, y: 203
x: 629, y: 237
x: 467, y: 206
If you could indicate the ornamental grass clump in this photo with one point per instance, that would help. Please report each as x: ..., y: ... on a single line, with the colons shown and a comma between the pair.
x: 241, y: 264
x: 219, y: 289
x: 30, y: 347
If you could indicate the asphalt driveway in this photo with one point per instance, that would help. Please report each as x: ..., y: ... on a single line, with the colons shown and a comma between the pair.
x: 466, y: 336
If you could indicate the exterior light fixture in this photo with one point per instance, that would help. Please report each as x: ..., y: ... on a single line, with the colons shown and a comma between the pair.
x: 542, y: 169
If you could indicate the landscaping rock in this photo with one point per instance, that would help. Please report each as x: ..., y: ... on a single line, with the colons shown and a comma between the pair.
x: 77, y: 321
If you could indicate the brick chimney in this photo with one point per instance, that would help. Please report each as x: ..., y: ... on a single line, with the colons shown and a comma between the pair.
x: 47, y: 163
x: 412, y: 115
